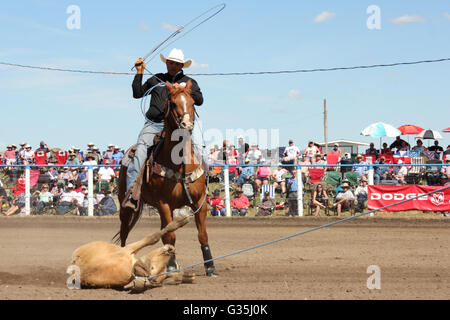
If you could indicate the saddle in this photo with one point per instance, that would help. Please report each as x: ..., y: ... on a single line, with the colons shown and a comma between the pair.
x: 152, y: 152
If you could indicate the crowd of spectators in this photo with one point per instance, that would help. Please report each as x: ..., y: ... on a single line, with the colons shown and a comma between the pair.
x: 62, y: 188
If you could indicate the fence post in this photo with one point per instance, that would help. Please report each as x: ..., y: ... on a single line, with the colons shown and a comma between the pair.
x: 299, y: 192
x: 27, y: 191
x: 90, y: 191
x: 370, y: 174
x: 226, y: 179
x: 370, y: 182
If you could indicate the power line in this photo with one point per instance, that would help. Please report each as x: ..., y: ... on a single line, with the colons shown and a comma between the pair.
x: 235, y: 73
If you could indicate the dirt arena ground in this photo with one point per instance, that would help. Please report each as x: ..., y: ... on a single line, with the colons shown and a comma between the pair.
x: 412, y: 253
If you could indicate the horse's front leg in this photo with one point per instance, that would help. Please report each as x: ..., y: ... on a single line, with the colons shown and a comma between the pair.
x: 165, y: 214
x: 200, y: 222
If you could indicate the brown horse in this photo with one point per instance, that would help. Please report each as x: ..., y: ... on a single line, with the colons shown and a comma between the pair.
x: 177, y: 178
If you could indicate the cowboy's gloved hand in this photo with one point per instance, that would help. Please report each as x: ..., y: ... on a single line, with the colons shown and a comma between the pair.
x: 140, y: 66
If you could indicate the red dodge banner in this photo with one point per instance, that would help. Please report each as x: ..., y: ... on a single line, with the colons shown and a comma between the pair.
x: 380, y: 196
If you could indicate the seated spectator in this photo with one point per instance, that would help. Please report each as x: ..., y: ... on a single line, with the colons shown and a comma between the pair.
x: 437, y: 149
x: 304, y: 162
x: 381, y: 172
x: 246, y: 173
x: 360, y: 170
x: 445, y: 170
x: 239, y: 204
x: 65, y: 176
x: 419, y: 147
x: 97, y: 156
x: 254, y: 155
x: 217, y: 205
x: 319, y: 198
x: 56, y: 190
x: 68, y: 200
x: 344, y: 199
x: 372, y: 150
x: 262, y: 176
x: 404, y: 146
x: 399, y: 144
x: 266, y: 206
x: 107, y: 155
x: 117, y: 155
x: 10, y: 155
x: 72, y: 160
x: 20, y: 152
x: 90, y: 160
x: 291, y: 153
x: 233, y: 153
x: 277, y: 176
x: 106, y: 174
x: 318, y: 160
x: 399, y: 173
x: 45, y: 199
x: 82, y: 177
x: 361, y: 195
x: 212, y: 156
x: 3, y: 196
x: 106, y: 206
x: 385, y: 149
x: 27, y: 155
x: 90, y: 148
x: 311, y: 150
x: 78, y: 154
x: 52, y: 174
x: 17, y: 203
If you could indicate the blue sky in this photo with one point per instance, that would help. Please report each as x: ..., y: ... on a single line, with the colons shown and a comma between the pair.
x: 66, y: 109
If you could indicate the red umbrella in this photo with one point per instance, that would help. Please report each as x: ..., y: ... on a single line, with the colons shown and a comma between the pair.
x: 410, y: 129
x: 446, y: 130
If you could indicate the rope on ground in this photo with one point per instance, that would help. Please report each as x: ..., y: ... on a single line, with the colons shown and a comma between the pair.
x: 292, y: 236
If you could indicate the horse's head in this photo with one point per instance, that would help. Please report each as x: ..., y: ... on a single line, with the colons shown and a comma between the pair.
x: 180, y: 106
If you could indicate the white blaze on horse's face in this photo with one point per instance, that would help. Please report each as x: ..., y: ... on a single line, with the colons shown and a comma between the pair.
x: 186, y: 120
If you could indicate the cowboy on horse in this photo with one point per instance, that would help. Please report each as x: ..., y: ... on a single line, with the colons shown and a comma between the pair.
x: 169, y: 183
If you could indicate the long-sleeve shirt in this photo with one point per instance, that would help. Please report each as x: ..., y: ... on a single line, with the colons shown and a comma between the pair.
x: 155, y: 112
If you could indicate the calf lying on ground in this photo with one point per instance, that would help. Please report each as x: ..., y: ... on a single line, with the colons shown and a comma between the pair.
x: 106, y: 265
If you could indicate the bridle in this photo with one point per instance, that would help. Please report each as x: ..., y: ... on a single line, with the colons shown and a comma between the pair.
x: 169, y: 106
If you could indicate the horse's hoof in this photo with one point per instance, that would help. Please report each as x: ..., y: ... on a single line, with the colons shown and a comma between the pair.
x: 211, y: 271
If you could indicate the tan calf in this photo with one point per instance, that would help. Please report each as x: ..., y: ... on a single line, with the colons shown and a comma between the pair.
x: 103, y: 264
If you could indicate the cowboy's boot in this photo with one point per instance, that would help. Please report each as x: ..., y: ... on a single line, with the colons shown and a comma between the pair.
x: 209, y: 266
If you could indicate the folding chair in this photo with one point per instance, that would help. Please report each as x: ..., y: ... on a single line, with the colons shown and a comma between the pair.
x: 416, y: 173
x: 352, y: 178
x: 248, y: 191
x: 333, y: 180
x: 332, y: 158
x: 269, y: 188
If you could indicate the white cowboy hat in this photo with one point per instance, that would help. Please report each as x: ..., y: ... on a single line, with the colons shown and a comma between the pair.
x: 178, y: 56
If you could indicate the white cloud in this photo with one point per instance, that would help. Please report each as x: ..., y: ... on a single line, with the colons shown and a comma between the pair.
x: 170, y: 27
x: 199, y: 65
x: 294, y: 94
x: 143, y: 26
x: 447, y: 15
x: 408, y: 19
x: 324, y: 16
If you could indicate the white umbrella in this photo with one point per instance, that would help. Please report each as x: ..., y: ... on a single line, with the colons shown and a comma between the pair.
x: 429, y: 134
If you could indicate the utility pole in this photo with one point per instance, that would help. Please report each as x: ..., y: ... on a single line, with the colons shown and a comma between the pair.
x: 325, y: 125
